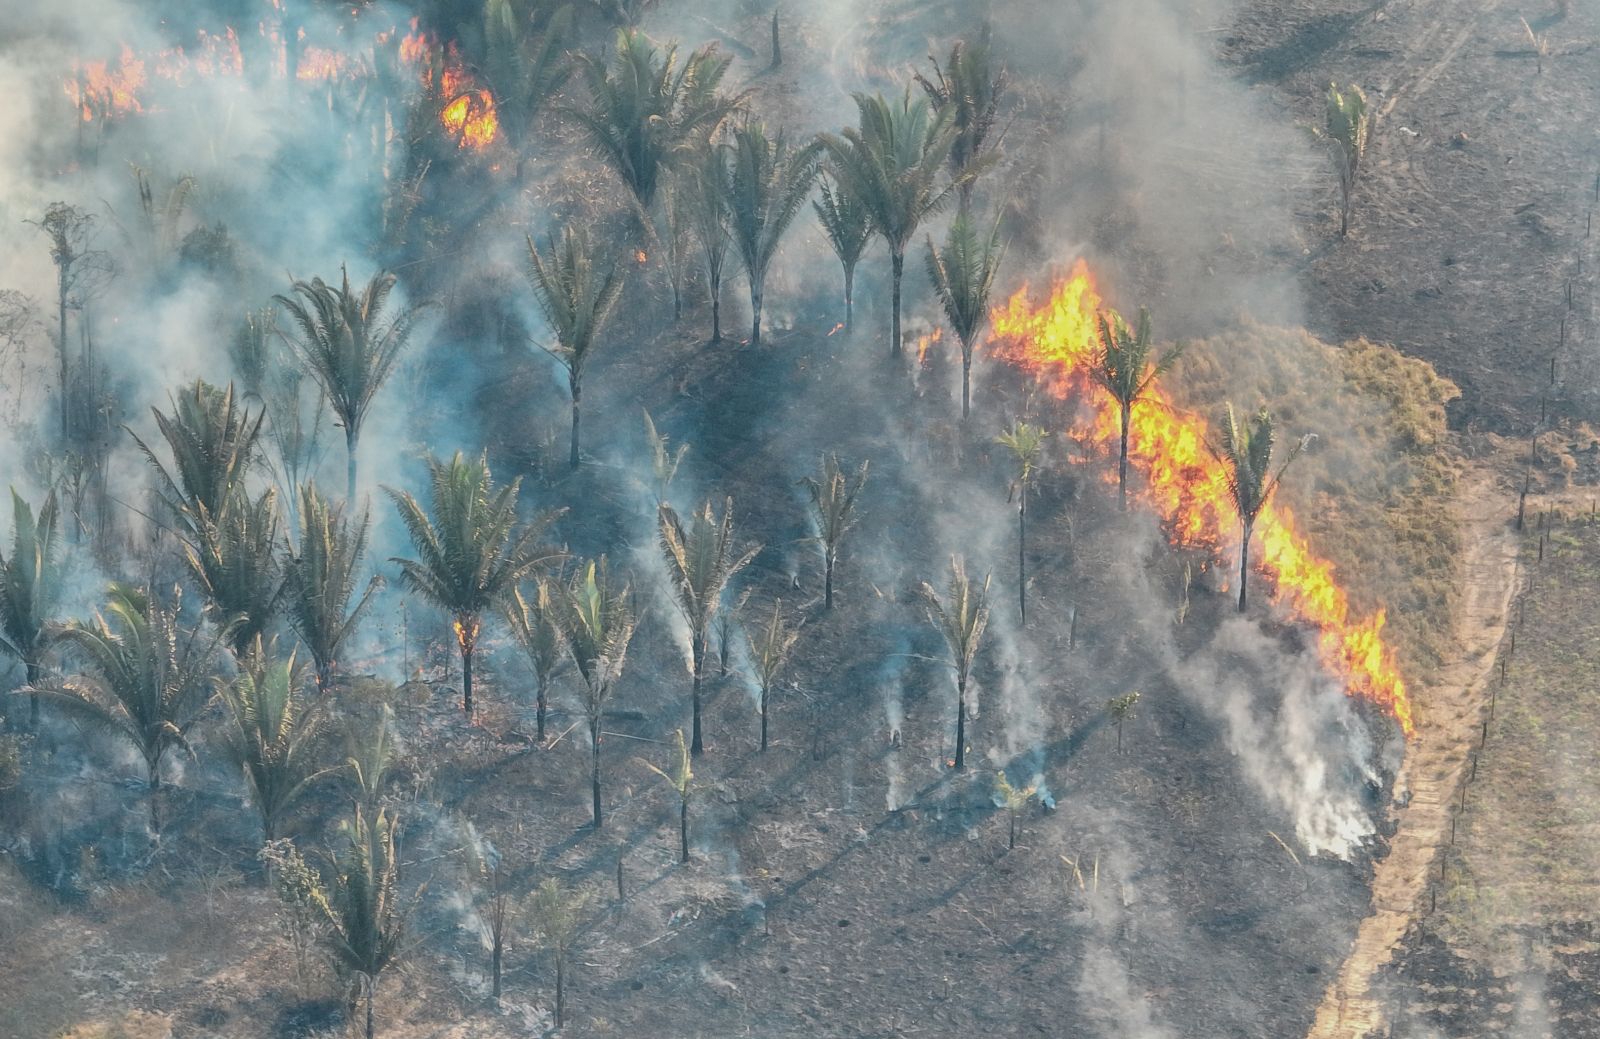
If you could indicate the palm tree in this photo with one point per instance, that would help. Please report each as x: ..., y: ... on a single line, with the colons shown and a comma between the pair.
x: 833, y: 511
x: 273, y: 735
x: 646, y: 107
x: 1027, y: 444
x: 769, y: 652
x: 320, y: 577
x: 472, y: 553
x: 971, y: 87
x: 1247, y: 455
x: 848, y: 225
x: 146, y: 677
x: 768, y: 185
x: 1014, y: 799
x: 371, y: 755
x: 214, y: 441
x: 269, y: 372
x: 1120, y: 708
x: 961, y: 617
x: 30, y: 588
x: 1347, y: 129
x: 536, y: 625
x: 891, y: 163
x: 664, y: 462
x: 963, y: 276
x: 1123, y: 367
x: 706, y: 182
x: 348, y: 347
x: 556, y: 913
x: 701, y: 560
x: 523, y: 68
x: 681, y: 779
x: 234, y: 563
x: 576, y: 286
x: 599, y: 622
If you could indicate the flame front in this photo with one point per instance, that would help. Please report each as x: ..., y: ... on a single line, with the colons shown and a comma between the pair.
x: 1187, y: 486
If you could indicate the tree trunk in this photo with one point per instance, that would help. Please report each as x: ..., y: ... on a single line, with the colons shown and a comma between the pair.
x: 351, y: 437
x: 961, y: 723
x: 777, y: 44
x: 827, y: 582
x: 697, y: 745
x: 677, y: 301
x: 898, y: 260
x: 539, y: 710
x: 1119, y: 734
x: 594, y: 769
x: 1122, y: 458
x: 499, y: 947
x: 33, y: 672
x: 467, y: 648
x: 1011, y: 840
x: 561, y: 991
x: 849, y: 296
x: 577, y: 396
x: 763, y: 718
x: 1022, y: 550
x: 61, y: 342
x: 372, y: 983
x: 1244, y: 563
x: 324, y: 677
x: 716, y: 315
x: 154, y: 794
x: 966, y: 382
x: 683, y: 829
x: 755, y: 312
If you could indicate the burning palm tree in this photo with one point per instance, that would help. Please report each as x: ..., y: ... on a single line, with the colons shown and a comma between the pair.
x: 1122, y: 365
x: 599, y: 622
x: 146, y: 677
x: 768, y: 185
x: 1026, y: 443
x: 833, y: 511
x: 961, y: 617
x: 769, y: 652
x: 273, y: 735
x: 536, y: 625
x: 970, y: 86
x: 701, y: 560
x: 1247, y: 454
x: 348, y: 347
x: 576, y: 287
x: 320, y: 578
x: 472, y: 554
x: 30, y: 588
x: 848, y: 225
x: 963, y: 276
x: 891, y: 163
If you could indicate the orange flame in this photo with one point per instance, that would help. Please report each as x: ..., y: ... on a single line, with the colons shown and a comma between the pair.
x: 927, y: 340
x: 469, y: 113
x: 1188, y: 487
x: 836, y: 329
x: 465, y: 636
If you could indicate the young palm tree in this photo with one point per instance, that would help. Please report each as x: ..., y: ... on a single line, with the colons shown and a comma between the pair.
x: 1347, y: 128
x: 349, y: 347
x: 214, y: 441
x: 970, y: 86
x: 768, y: 185
x: 1027, y: 444
x: 1247, y: 454
x: 706, y: 183
x: 472, y: 553
x: 963, y: 276
x: 833, y: 511
x: 30, y: 588
x: 1014, y: 799
x: 320, y: 576
x: 848, y: 225
x: 1123, y: 367
x: 536, y: 625
x: 234, y: 563
x: 646, y: 107
x: 1120, y: 708
x: 269, y: 372
x: 577, y: 287
x: 664, y: 461
x: 523, y: 66
x: 891, y: 162
x: 769, y: 652
x: 681, y: 779
x: 599, y: 622
x: 961, y: 617
x: 371, y: 755
x: 556, y: 913
x: 146, y: 677
x: 701, y: 560
x: 273, y: 735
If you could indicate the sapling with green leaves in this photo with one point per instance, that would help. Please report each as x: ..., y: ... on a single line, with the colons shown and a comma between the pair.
x: 833, y: 512
x: 848, y: 226
x: 767, y: 184
x: 555, y: 914
x: 770, y: 647
x: 535, y: 623
x: 321, y: 571
x: 1346, y: 127
x: 599, y: 621
x: 1015, y: 800
x: 681, y: 779
x: 963, y: 275
x: 30, y: 588
x: 1123, y: 367
x: 706, y: 178
x: 961, y: 615
x: 1026, y: 444
x: 664, y: 461
x: 1120, y: 709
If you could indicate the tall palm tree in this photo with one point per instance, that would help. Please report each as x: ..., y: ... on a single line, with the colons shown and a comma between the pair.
x: 472, y: 553
x: 646, y: 107
x: 273, y: 734
x: 321, y: 570
x: 234, y: 563
x: 146, y: 677
x: 536, y: 625
x: 30, y: 588
x: 768, y: 185
x: 961, y: 617
x: 963, y: 274
x: 833, y: 512
x: 706, y: 183
x: 769, y: 653
x: 970, y: 86
x: 701, y: 560
x: 891, y: 162
x: 577, y: 287
x: 1026, y: 443
x: 848, y: 225
x: 1247, y: 455
x: 349, y: 347
x: 1123, y: 366
x: 524, y: 66
x: 599, y: 621
x: 214, y: 440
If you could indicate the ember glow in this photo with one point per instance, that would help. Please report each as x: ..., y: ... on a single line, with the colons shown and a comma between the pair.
x: 1187, y: 486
